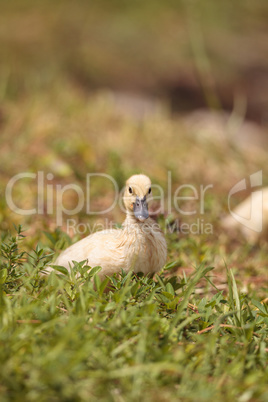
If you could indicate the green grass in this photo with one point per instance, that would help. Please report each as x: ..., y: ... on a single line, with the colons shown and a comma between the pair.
x: 176, y: 337
x: 64, y: 338
x: 193, y: 332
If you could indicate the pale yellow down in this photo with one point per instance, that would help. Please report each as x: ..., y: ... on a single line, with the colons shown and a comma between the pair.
x: 140, y: 246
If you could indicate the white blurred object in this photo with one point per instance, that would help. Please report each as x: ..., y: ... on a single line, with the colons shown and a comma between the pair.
x: 244, y: 210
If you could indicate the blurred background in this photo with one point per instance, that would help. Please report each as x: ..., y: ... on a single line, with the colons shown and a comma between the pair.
x: 123, y: 87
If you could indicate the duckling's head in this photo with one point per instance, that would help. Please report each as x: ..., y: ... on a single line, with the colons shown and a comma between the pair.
x: 138, y: 188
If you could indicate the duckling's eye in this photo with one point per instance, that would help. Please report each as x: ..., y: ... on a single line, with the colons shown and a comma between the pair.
x: 150, y: 190
x: 130, y: 190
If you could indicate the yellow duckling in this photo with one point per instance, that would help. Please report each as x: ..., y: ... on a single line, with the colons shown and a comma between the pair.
x: 140, y: 246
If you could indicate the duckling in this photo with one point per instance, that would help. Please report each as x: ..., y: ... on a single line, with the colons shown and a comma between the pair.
x: 140, y: 245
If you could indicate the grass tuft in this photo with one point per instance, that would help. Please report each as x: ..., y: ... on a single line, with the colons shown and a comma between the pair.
x: 129, y: 337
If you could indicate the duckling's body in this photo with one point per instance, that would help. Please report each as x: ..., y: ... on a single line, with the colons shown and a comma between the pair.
x: 139, y: 246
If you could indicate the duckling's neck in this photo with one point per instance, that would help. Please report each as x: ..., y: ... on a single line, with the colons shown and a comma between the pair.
x: 132, y: 222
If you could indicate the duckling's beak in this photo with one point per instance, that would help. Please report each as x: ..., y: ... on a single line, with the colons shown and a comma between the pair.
x: 140, y: 209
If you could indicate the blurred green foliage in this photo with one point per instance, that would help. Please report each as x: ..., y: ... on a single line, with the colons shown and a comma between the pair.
x: 66, y: 338
x: 152, y: 46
